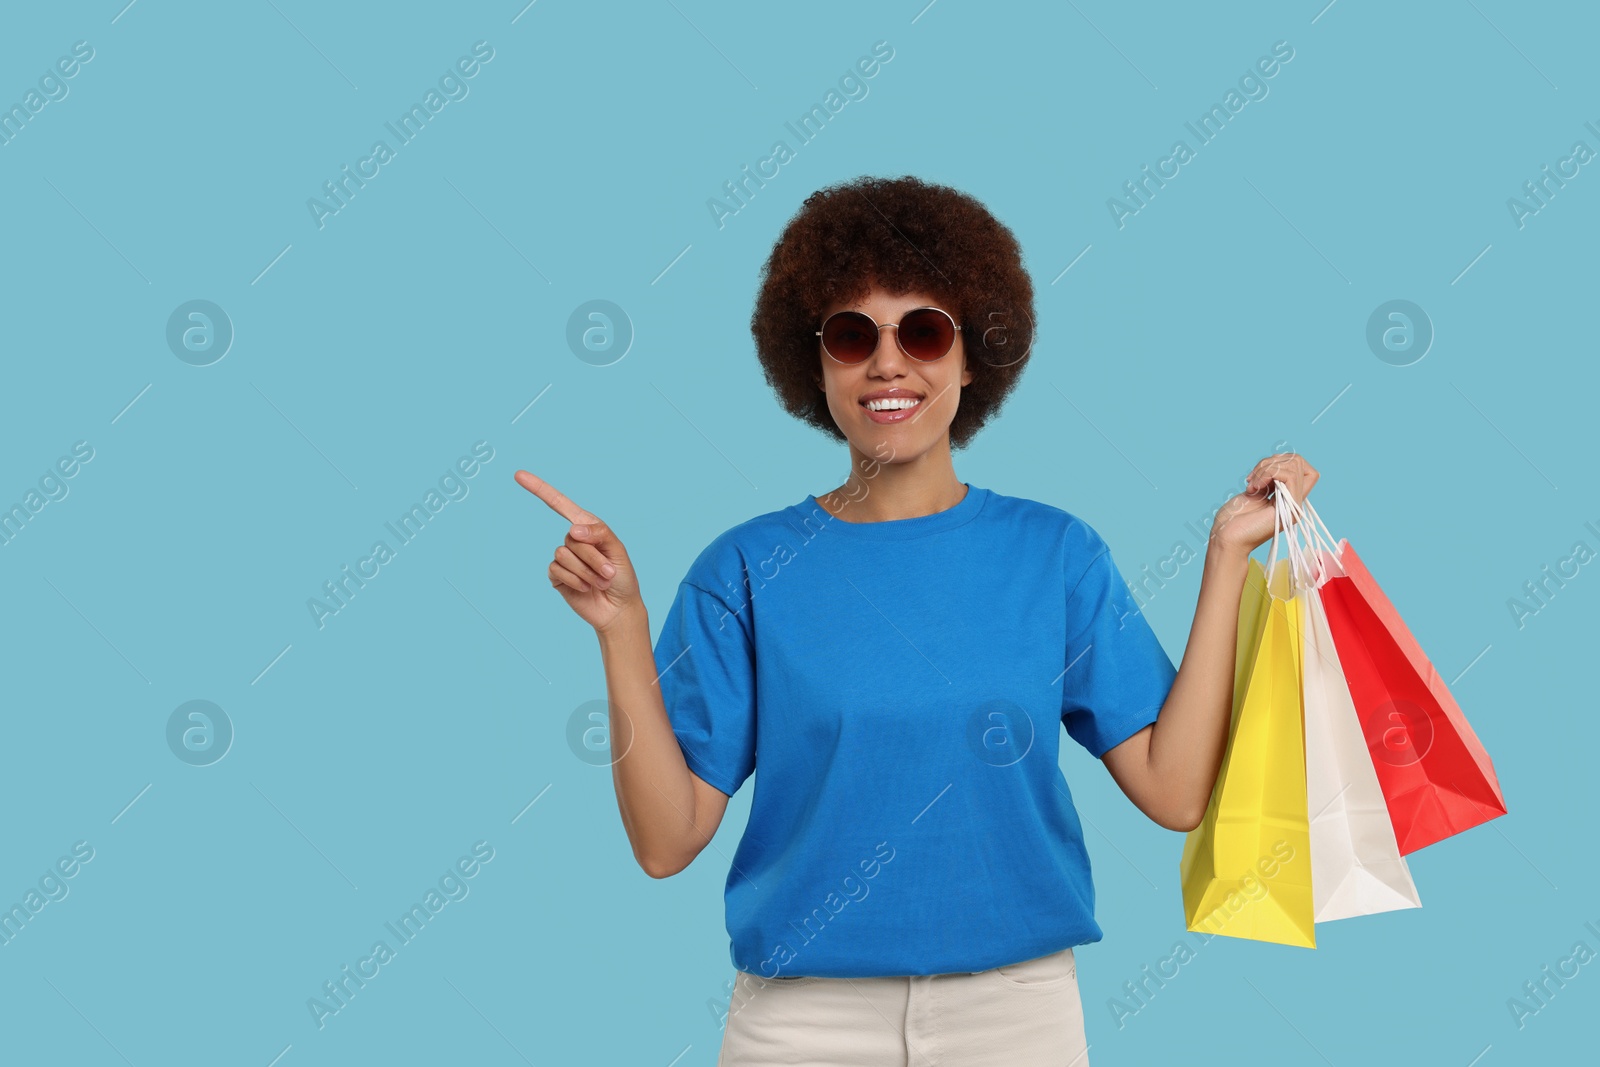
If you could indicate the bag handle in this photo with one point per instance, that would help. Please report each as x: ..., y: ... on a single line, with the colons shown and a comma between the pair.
x: 1329, y: 541
x: 1290, y: 517
x: 1283, y: 521
x: 1322, y: 544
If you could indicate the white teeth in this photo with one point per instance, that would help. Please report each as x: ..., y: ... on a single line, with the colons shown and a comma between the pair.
x: 893, y: 403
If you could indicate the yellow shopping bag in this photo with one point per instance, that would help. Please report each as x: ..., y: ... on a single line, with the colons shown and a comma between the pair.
x: 1246, y: 869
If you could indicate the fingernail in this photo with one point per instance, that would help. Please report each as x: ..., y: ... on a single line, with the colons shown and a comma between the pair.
x: 580, y: 531
x: 608, y: 570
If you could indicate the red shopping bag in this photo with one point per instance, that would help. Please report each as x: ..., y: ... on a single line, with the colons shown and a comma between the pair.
x: 1433, y: 770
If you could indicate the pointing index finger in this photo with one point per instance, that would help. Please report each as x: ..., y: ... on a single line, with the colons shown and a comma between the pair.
x: 558, y: 501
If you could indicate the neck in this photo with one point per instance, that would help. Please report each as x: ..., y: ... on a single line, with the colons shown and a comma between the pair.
x: 881, y: 489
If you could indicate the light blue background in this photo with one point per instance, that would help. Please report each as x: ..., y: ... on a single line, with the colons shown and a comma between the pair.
x: 1224, y: 321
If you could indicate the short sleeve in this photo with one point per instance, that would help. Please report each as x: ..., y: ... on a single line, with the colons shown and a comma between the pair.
x: 1118, y: 675
x: 705, y: 660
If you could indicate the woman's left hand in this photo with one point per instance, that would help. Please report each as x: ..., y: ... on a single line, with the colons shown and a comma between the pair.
x: 1246, y: 520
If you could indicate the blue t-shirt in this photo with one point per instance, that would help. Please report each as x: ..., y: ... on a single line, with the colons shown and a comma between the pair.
x: 901, y: 682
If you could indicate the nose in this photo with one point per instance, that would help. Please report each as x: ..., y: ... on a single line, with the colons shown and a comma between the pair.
x: 887, y: 360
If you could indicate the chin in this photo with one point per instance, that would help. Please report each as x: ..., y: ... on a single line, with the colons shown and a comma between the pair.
x: 892, y: 444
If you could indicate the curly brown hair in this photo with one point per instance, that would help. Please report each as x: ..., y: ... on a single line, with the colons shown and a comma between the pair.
x: 904, y: 235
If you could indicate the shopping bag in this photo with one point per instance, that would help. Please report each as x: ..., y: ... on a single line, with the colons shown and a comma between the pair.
x: 1436, y: 778
x: 1246, y: 869
x: 1356, y: 866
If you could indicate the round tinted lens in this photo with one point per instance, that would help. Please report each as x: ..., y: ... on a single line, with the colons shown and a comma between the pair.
x: 926, y: 333
x: 850, y: 336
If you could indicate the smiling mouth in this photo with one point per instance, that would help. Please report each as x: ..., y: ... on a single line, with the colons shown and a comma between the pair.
x: 892, y: 403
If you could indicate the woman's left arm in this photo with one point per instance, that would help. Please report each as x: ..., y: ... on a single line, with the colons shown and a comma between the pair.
x: 1169, y: 768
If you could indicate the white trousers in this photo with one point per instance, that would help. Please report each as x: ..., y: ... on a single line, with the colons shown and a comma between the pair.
x: 1026, y: 1014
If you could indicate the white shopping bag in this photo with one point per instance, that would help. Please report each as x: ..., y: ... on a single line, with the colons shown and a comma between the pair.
x: 1356, y: 866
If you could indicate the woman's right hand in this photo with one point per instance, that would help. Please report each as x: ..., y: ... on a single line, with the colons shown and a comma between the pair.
x: 591, y: 569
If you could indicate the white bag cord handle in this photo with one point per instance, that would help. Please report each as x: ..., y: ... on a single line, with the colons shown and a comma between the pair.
x: 1329, y: 541
x: 1289, y: 515
x: 1322, y: 545
x: 1313, y: 562
x: 1300, y: 568
x: 1280, y: 524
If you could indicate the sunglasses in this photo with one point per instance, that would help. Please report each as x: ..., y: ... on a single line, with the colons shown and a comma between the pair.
x: 924, y: 334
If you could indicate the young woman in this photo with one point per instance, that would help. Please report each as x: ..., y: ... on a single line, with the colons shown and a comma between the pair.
x: 894, y: 657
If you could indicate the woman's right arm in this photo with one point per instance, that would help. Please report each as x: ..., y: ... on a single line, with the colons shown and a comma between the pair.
x: 668, y: 812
